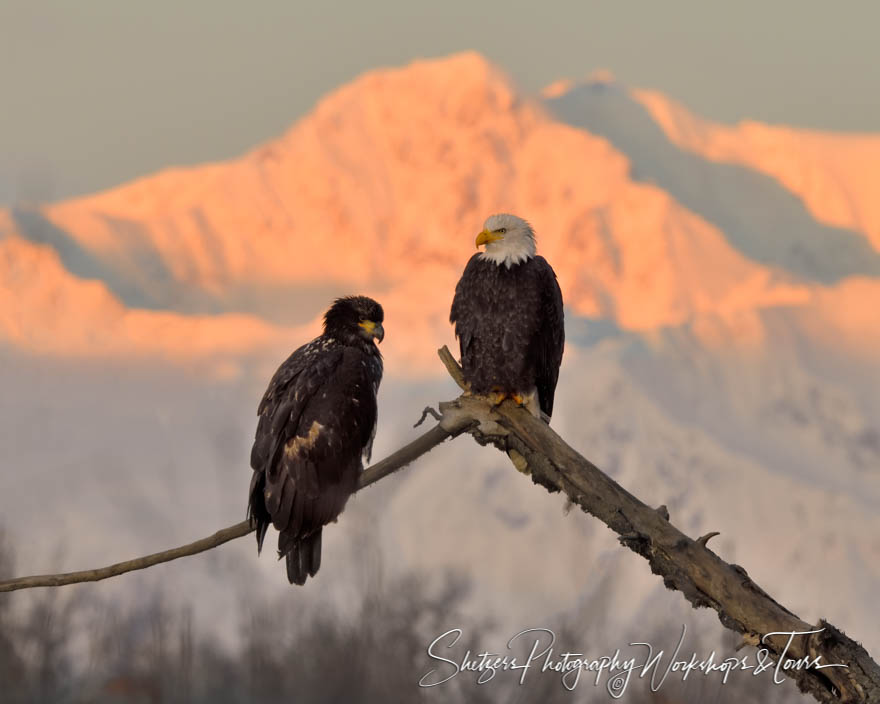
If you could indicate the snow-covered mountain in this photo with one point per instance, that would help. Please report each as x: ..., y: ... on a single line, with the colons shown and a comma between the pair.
x: 834, y: 174
x: 394, y: 173
x: 721, y: 286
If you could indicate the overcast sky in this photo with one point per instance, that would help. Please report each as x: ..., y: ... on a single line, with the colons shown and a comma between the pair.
x: 96, y: 92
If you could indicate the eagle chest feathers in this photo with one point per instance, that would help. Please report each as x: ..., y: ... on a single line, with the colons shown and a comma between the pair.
x: 508, y: 321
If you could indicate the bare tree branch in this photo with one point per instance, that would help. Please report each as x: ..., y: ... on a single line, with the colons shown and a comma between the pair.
x: 139, y: 563
x: 686, y: 565
x: 425, y: 413
x: 452, y: 367
x: 400, y: 459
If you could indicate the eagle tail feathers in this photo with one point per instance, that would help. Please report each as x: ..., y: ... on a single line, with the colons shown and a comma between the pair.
x: 304, y: 558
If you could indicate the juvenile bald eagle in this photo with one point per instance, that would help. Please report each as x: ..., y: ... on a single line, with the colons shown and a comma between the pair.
x: 317, y: 420
x: 508, y: 317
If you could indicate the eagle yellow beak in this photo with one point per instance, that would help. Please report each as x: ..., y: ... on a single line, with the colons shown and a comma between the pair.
x: 373, y: 329
x: 486, y: 237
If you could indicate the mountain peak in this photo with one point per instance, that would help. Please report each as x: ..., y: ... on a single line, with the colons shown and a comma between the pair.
x: 460, y: 86
x: 382, y: 188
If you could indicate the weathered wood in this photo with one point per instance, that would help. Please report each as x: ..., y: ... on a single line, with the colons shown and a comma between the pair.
x: 686, y: 565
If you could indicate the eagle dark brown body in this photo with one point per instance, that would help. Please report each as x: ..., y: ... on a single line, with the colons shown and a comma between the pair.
x: 508, y: 316
x: 317, y: 421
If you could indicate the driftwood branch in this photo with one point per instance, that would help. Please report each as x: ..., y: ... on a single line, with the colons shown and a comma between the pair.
x: 686, y: 565
x: 400, y: 459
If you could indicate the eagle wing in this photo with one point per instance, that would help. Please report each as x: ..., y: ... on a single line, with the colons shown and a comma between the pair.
x: 316, y: 418
x: 466, y: 318
x: 549, y: 343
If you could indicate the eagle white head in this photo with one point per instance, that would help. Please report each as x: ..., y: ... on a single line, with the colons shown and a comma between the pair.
x: 509, y: 240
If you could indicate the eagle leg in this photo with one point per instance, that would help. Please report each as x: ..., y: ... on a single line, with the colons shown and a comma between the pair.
x: 496, y: 396
x: 529, y: 401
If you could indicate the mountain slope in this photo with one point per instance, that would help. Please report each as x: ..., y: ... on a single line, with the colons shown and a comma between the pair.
x: 46, y: 310
x: 758, y: 216
x: 836, y: 175
x: 391, y: 175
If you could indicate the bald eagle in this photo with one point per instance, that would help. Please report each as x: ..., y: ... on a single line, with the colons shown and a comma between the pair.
x: 317, y: 421
x: 508, y: 317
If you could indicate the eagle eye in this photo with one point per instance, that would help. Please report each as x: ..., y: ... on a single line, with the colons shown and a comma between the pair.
x: 502, y: 230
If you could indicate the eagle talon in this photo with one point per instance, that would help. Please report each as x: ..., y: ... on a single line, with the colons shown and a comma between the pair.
x: 496, y: 397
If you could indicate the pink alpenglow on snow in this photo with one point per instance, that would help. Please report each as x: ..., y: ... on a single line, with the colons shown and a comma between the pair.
x: 376, y: 189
